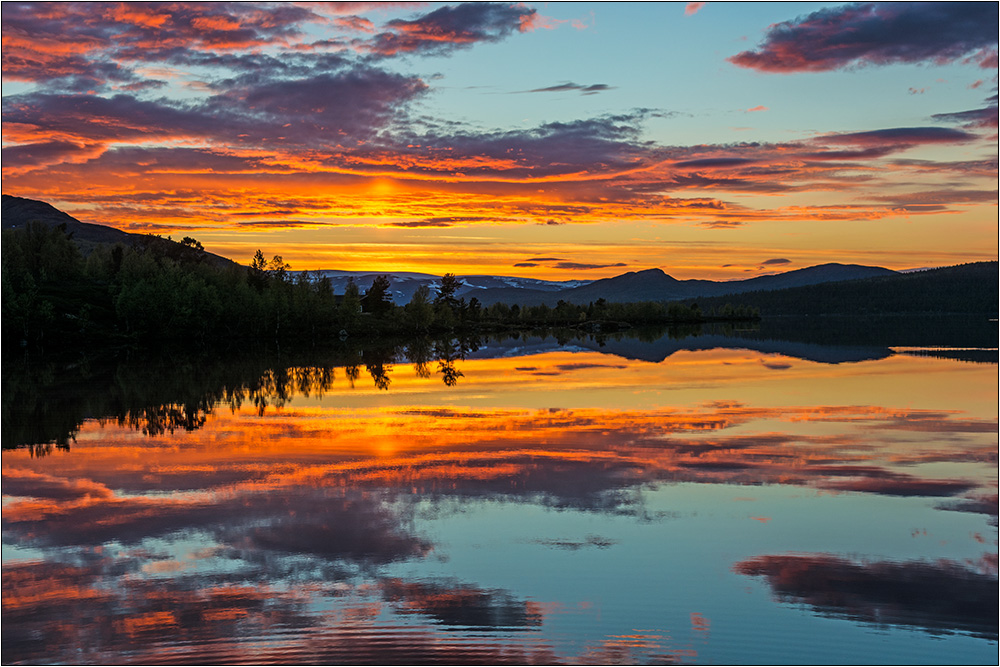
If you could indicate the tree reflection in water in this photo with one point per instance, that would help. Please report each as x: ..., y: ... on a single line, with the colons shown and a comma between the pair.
x: 45, y: 401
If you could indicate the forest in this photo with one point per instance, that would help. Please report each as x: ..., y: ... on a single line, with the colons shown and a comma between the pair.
x: 155, y: 293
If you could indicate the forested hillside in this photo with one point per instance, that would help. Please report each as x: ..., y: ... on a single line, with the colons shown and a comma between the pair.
x: 966, y: 288
x: 151, y: 294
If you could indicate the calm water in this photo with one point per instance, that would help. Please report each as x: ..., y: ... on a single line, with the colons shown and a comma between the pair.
x: 697, y: 501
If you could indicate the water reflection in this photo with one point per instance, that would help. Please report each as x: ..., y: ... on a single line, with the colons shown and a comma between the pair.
x: 44, y: 402
x: 567, y: 506
x: 463, y: 606
x: 939, y: 597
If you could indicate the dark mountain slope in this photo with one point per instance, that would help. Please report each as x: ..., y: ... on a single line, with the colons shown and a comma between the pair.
x: 813, y: 275
x: 966, y: 288
x: 17, y: 212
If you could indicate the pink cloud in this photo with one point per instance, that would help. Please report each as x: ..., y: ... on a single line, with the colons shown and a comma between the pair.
x: 692, y: 8
x: 356, y: 23
x: 759, y: 107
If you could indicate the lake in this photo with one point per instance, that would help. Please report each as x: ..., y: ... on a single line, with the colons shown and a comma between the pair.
x: 729, y: 497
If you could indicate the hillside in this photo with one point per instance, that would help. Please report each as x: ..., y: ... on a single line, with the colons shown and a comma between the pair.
x: 18, y: 212
x: 966, y: 288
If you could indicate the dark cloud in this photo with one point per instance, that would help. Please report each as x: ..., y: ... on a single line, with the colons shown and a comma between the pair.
x: 352, y: 529
x: 585, y: 266
x: 871, y: 153
x: 39, y: 485
x: 327, y: 107
x: 96, y: 41
x: 941, y: 597
x: 68, y: 613
x: 251, y: 70
x: 117, y: 118
x: 568, y: 87
x: 939, y: 197
x: 449, y: 28
x: 715, y: 162
x: 575, y: 545
x: 153, y: 159
x: 147, y: 84
x: 737, y: 183
x: 878, y: 34
x: 464, y: 606
x: 583, y: 365
x: 777, y: 260
x: 526, y: 265
x: 606, y: 141
x: 48, y: 152
x: 334, y: 528
x: 972, y: 119
x: 722, y: 224
x: 77, y: 613
x: 907, y: 136
x: 975, y: 505
x: 71, y: 72
x: 901, y: 485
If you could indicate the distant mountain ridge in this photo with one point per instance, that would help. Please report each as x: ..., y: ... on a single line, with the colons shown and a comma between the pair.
x: 655, y: 285
x: 647, y: 285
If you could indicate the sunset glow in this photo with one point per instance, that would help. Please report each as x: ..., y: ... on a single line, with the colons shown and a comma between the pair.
x: 701, y: 138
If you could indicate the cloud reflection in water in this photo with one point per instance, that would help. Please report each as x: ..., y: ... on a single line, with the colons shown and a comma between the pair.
x: 295, y: 534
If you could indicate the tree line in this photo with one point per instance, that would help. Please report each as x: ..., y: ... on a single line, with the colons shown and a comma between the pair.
x: 150, y: 293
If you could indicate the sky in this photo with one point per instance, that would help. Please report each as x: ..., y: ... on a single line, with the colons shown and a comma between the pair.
x: 551, y: 140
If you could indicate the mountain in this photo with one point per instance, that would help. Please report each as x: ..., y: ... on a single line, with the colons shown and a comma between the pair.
x: 648, y: 285
x: 965, y: 288
x: 17, y: 212
x: 655, y: 285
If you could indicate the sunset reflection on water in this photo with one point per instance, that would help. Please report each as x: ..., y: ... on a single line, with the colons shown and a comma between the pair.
x: 567, y: 506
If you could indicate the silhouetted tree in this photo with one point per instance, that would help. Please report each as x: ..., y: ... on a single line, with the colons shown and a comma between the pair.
x: 377, y: 299
x: 419, y: 311
x: 350, y: 306
x: 192, y: 243
x: 446, y: 292
x: 278, y: 269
